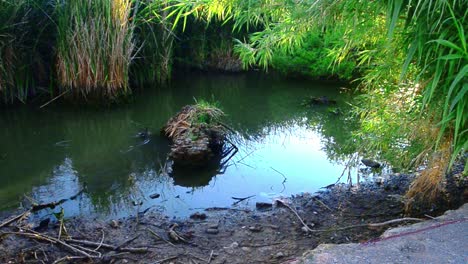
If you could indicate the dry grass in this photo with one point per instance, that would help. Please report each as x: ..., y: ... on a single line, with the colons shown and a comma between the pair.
x: 191, y: 116
x: 430, y: 185
x: 95, y: 47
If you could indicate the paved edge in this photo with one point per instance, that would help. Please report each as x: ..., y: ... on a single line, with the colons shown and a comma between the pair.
x: 441, y: 240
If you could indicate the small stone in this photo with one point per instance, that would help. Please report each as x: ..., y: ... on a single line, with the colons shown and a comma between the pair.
x: 198, y: 216
x: 279, y: 255
x: 263, y: 205
x: 256, y: 228
x: 246, y: 249
x: 212, y: 231
x: 315, y: 213
x: 234, y: 245
x: 213, y: 226
x: 155, y: 195
x: 114, y: 224
x: 305, y: 229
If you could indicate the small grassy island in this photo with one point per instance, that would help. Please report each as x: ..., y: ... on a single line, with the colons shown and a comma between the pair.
x: 339, y: 119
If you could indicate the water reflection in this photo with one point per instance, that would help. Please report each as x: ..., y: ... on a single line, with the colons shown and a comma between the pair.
x: 284, y: 148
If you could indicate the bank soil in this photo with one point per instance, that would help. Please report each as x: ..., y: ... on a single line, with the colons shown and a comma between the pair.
x: 279, y: 233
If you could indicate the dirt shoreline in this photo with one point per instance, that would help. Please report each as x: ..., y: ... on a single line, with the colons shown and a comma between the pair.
x: 339, y: 214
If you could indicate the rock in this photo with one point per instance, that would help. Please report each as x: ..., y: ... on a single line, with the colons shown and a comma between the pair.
x: 42, y: 225
x: 279, y: 255
x: 198, y: 216
x: 212, y: 231
x: 214, y: 226
x: 155, y: 195
x: 263, y: 205
x: 371, y: 163
x: 256, y: 228
x: 114, y: 224
x: 246, y: 249
x: 234, y: 245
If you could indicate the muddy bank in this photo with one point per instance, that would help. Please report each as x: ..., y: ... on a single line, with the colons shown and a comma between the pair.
x: 270, y: 234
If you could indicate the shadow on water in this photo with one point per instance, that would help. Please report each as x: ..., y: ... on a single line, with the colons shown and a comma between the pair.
x: 54, y: 153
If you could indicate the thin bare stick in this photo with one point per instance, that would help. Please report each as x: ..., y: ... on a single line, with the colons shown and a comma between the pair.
x: 67, y: 258
x: 211, y: 256
x: 323, y: 204
x: 102, y: 241
x: 107, y: 246
x: 158, y: 236
x: 165, y: 259
x: 53, y: 99
x: 14, y: 219
x: 297, y: 215
x: 37, y: 236
x: 241, y: 199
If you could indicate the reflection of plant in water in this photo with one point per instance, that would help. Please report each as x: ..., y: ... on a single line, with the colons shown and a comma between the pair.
x: 336, y: 131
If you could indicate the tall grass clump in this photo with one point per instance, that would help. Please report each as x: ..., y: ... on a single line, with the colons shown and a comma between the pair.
x: 94, y: 47
x: 16, y: 79
x: 154, y: 34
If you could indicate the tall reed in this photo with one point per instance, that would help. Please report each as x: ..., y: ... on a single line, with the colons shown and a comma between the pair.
x: 16, y: 79
x: 155, y: 39
x: 94, y: 47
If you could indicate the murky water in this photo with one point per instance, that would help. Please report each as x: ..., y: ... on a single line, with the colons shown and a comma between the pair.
x: 284, y: 148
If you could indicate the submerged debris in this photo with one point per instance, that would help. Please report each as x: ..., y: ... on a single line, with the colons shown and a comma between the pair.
x: 322, y: 100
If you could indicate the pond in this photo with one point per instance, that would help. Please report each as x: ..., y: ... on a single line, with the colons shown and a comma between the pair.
x: 285, y: 148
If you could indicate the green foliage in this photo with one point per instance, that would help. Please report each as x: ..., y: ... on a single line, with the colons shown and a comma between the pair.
x: 406, y: 51
x: 206, y: 112
x: 155, y: 41
x: 18, y: 55
x: 313, y: 59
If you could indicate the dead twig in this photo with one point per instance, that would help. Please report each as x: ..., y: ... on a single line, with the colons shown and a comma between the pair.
x: 126, y: 243
x: 158, y: 236
x: 107, y: 246
x: 15, y: 218
x: 211, y: 256
x: 37, y: 236
x: 165, y: 259
x: 297, y: 215
x: 67, y: 258
x: 284, y: 178
x: 323, y: 204
x: 241, y: 199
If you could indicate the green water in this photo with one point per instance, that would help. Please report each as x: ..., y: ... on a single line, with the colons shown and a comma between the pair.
x: 284, y: 148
